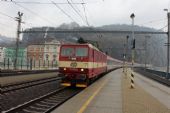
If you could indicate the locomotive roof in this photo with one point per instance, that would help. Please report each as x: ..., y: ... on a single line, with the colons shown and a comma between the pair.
x: 86, y: 44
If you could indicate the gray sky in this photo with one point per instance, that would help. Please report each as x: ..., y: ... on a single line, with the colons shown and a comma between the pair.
x: 99, y: 12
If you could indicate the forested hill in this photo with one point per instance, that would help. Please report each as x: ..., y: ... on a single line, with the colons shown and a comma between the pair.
x: 6, y: 41
x: 110, y: 43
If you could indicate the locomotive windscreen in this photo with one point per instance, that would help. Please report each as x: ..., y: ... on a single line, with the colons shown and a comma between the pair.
x: 81, y: 51
x: 67, y: 51
x: 74, y: 51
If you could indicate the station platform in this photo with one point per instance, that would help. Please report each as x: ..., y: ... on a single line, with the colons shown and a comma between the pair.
x: 112, y: 94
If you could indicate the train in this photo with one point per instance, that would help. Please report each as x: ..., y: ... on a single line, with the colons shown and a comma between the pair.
x: 81, y: 64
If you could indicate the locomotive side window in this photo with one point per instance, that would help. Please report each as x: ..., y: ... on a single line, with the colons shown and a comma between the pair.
x: 67, y: 51
x: 81, y: 52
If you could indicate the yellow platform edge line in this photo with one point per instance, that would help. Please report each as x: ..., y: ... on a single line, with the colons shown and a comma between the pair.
x: 82, y: 109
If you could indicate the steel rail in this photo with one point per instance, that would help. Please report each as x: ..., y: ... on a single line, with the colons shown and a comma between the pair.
x: 24, y: 72
x: 13, y: 87
x: 46, y: 103
x: 153, y: 76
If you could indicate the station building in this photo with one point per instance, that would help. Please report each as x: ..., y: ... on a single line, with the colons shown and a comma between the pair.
x: 2, y: 55
x: 44, y: 55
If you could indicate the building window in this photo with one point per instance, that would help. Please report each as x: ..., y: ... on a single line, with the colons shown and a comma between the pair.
x: 54, y: 57
x: 38, y: 49
x: 40, y: 56
x: 31, y: 49
x: 47, y: 56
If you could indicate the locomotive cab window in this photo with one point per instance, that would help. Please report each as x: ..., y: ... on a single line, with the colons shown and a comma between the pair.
x: 67, y: 51
x: 81, y: 52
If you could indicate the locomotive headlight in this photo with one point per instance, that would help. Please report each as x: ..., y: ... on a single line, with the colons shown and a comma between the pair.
x: 64, y: 69
x: 82, y: 69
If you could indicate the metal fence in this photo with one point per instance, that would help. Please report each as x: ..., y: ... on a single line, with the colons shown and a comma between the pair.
x: 159, y: 73
x: 28, y: 64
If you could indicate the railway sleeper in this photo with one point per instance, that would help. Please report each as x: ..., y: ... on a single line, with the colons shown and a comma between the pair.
x: 43, y: 105
x: 38, y: 108
x: 30, y: 111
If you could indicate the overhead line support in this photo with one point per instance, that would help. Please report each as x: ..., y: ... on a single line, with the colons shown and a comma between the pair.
x: 19, y: 20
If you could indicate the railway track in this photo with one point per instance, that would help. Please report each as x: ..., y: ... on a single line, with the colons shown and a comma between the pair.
x: 32, y: 100
x: 13, y: 87
x: 5, y: 73
x: 13, y: 95
x: 153, y: 76
x: 47, y: 103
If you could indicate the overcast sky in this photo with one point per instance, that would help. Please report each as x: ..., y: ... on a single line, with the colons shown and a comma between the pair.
x: 99, y: 12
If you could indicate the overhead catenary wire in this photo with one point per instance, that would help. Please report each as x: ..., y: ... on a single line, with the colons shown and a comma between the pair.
x: 163, y: 27
x: 83, y: 3
x: 85, y: 13
x: 169, y: 4
x: 99, y: 35
x: 154, y: 21
x: 48, y: 3
x: 42, y: 18
x: 42, y: 3
x: 30, y: 25
x: 63, y: 11
x: 7, y: 29
x: 7, y: 15
x: 76, y: 12
x: 25, y: 23
x: 75, y: 5
x: 13, y: 18
x: 7, y: 26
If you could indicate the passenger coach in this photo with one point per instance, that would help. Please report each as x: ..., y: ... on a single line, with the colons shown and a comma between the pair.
x: 80, y: 64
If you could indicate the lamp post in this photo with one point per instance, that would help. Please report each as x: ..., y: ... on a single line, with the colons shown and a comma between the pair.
x: 168, y: 42
x: 126, y: 53
x: 124, y: 57
x: 127, y: 37
x: 132, y: 16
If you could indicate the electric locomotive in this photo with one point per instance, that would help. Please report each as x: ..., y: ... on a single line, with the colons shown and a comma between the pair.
x: 80, y: 64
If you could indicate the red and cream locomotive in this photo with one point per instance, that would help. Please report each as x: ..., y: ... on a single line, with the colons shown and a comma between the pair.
x: 80, y: 64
